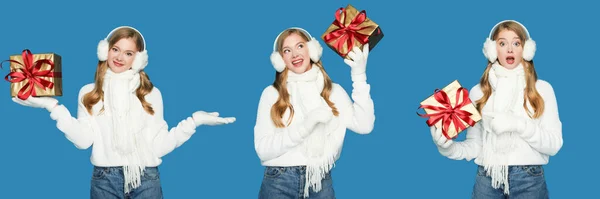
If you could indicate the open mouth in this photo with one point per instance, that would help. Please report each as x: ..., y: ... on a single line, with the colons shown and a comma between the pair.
x: 510, y: 59
x: 298, y: 62
x: 117, y: 64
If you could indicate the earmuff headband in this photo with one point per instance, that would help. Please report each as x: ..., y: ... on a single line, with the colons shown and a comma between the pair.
x: 496, y: 27
x: 295, y: 28
x: 113, y: 31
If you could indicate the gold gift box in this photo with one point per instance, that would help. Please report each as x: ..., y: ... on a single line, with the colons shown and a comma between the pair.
x: 55, y: 90
x: 452, y: 90
x: 368, y: 28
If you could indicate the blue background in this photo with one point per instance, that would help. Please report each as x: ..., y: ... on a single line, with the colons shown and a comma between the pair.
x: 214, y: 56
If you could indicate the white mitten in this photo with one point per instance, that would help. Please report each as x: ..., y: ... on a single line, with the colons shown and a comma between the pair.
x: 358, y: 64
x: 507, y: 122
x: 37, y: 102
x: 314, y: 117
x: 439, y: 139
x: 211, y: 119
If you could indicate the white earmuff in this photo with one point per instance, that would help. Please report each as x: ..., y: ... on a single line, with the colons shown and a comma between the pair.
x: 141, y: 58
x: 315, y: 50
x: 489, y: 46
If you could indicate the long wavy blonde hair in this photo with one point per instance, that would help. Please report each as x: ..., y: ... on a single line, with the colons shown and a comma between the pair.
x: 97, y: 94
x: 531, y: 94
x: 283, y: 102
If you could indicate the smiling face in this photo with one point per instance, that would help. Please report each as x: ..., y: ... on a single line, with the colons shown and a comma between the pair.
x: 510, y: 49
x: 123, y: 44
x: 295, y: 53
x: 121, y: 55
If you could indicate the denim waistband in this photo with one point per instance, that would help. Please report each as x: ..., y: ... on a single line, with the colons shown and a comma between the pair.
x: 301, y: 170
x: 120, y: 169
x: 514, y: 167
x: 297, y: 169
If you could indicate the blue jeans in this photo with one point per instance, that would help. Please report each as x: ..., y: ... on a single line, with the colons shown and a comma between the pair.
x: 289, y: 182
x: 526, y: 182
x: 108, y: 183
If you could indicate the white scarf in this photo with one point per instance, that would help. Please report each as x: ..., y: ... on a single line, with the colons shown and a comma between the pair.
x: 321, y: 147
x: 508, y: 89
x: 123, y: 106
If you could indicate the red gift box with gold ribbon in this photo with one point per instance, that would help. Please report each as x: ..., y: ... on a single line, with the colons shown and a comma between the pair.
x: 34, y: 75
x: 351, y: 28
x: 450, y: 109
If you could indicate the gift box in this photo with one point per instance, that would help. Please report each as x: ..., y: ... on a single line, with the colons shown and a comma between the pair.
x: 450, y: 109
x: 351, y: 28
x: 35, y: 75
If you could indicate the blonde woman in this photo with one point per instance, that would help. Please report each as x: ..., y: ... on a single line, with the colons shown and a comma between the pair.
x: 302, y: 118
x: 520, y: 128
x: 121, y: 116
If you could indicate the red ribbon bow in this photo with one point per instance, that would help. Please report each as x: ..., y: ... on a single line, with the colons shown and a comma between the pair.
x: 32, y: 74
x: 347, y: 34
x: 449, y: 114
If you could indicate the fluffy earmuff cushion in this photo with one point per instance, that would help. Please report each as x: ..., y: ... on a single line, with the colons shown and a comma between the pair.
x: 529, y: 50
x: 140, y: 61
x: 489, y: 50
x: 277, y: 61
x: 315, y: 50
x: 103, y: 50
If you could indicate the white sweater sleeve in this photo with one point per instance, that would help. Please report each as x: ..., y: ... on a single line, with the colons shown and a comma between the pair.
x: 166, y: 141
x: 471, y: 146
x: 271, y: 142
x: 77, y: 130
x: 545, y: 134
x: 359, y: 116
